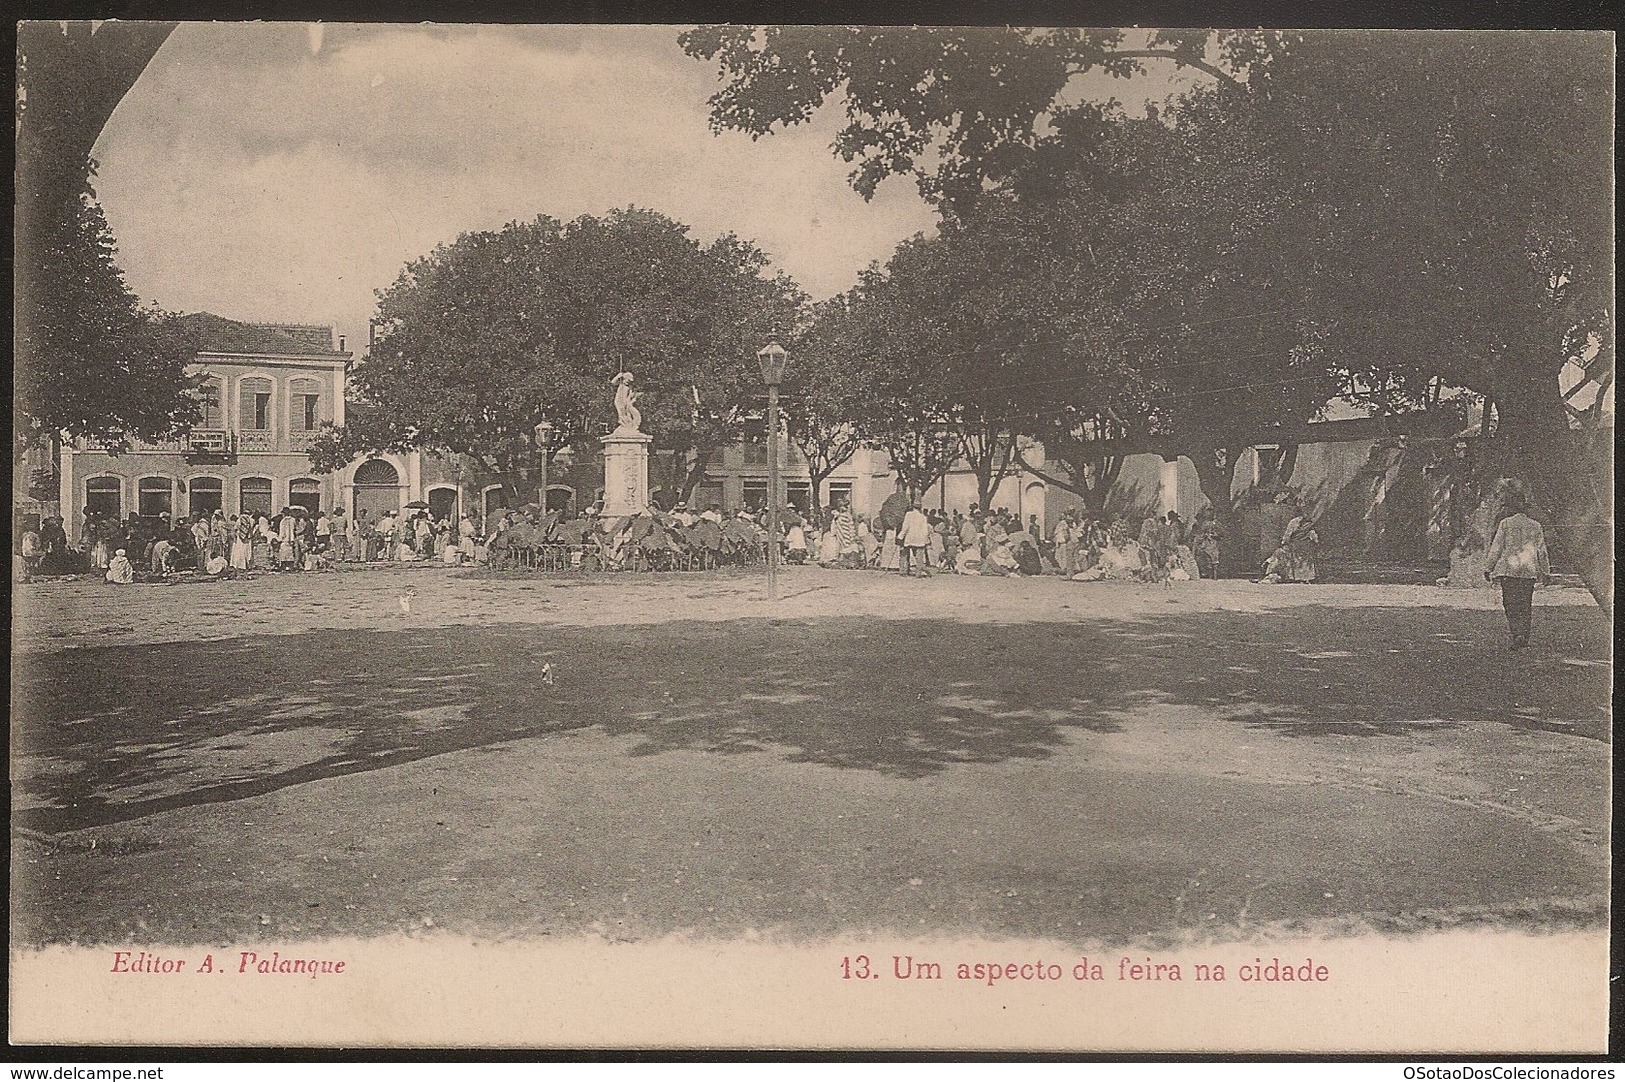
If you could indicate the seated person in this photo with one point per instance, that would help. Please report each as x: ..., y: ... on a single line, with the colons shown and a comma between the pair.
x: 119, y: 570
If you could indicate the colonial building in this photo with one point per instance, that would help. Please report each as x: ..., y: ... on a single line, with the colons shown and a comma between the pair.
x: 266, y: 390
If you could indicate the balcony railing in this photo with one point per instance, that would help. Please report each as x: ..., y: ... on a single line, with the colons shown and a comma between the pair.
x: 252, y: 439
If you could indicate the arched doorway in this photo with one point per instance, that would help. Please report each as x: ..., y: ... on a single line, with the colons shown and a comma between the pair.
x: 443, y: 504
x: 376, y: 489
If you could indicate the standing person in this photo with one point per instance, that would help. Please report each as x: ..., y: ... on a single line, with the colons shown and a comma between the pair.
x: 29, y: 552
x: 846, y: 533
x: 466, y: 534
x: 324, y: 532
x: 363, y: 536
x: 54, y: 547
x: 219, y: 541
x: 1517, y: 559
x: 1206, y: 541
x: 242, y: 545
x: 915, y: 541
x: 96, y: 533
x: 1061, y: 539
x: 339, y: 531
x: 890, y: 551
x: 200, y: 538
x: 1178, y: 532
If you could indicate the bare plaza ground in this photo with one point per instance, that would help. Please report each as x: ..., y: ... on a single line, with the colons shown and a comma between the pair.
x: 369, y: 753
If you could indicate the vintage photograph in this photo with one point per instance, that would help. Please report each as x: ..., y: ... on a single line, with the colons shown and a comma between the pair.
x: 730, y: 536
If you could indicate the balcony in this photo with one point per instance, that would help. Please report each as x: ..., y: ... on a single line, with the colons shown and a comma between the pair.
x: 210, y: 445
x: 260, y: 439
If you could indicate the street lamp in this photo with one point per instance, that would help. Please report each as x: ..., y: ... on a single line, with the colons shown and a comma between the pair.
x: 772, y: 357
x: 544, y: 441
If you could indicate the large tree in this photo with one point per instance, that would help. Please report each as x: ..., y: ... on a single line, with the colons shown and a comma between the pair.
x: 831, y: 388
x: 1445, y: 199
x: 486, y: 338
x: 89, y: 360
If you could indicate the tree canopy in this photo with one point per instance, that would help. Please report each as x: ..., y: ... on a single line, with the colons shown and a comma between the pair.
x: 1368, y: 214
x: 90, y: 361
x: 488, y: 337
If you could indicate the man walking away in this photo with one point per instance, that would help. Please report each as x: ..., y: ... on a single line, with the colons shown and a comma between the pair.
x: 1518, y: 559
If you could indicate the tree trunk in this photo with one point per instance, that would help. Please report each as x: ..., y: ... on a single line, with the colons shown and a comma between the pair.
x: 1567, y: 481
x: 1217, y: 482
x: 692, y: 476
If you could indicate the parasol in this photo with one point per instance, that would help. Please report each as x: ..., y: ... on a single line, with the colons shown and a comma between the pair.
x: 417, y: 505
x: 893, y: 510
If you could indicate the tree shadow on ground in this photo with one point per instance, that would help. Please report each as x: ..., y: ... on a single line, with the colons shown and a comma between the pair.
x: 108, y: 734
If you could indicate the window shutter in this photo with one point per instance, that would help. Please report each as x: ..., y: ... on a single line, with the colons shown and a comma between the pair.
x: 245, y: 399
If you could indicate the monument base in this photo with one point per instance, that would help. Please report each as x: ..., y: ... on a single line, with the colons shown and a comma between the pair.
x: 626, y: 473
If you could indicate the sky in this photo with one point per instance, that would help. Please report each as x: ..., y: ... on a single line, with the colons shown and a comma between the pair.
x: 284, y: 172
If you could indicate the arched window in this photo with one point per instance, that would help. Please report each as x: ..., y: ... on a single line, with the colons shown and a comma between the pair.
x: 254, y: 495
x: 376, y: 472
x: 254, y: 404
x: 105, y: 496
x: 212, y: 394
x: 305, y: 492
x: 205, y: 495
x: 304, y: 405
x: 155, y: 496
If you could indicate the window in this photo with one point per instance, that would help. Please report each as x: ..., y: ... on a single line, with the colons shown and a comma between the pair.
x: 305, y: 492
x: 205, y: 495
x: 707, y: 493
x: 376, y: 471
x: 211, y: 394
x: 254, y: 404
x: 755, y: 495
x: 155, y: 496
x: 799, y: 493
x: 838, y: 491
x: 496, y: 499
x: 305, y: 398
x: 104, y: 496
x: 254, y: 496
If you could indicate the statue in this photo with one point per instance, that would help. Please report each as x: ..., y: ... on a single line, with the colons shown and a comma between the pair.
x: 626, y: 403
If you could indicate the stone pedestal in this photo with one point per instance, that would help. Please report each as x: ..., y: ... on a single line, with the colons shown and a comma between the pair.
x: 626, y: 473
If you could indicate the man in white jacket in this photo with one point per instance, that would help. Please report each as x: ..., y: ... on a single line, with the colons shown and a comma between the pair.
x: 914, y: 539
x: 1517, y: 559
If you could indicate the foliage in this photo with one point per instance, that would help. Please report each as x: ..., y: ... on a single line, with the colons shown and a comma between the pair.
x: 831, y: 388
x: 969, y: 99
x: 89, y: 360
x: 1416, y: 209
x: 486, y: 338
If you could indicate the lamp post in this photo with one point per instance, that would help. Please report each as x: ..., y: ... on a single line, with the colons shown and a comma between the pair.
x: 544, y: 440
x: 772, y: 357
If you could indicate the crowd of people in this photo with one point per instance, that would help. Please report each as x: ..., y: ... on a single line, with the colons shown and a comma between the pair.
x: 902, y: 537
x: 1078, y: 546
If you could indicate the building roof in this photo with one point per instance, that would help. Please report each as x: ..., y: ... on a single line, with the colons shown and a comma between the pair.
x: 216, y: 334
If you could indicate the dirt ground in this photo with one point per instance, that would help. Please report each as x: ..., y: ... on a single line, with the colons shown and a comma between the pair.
x: 374, y: 752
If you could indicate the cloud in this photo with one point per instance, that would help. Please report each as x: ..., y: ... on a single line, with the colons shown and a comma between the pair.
x: 252, y: 175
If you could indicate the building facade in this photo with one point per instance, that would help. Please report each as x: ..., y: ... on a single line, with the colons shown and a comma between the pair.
x: 266, y: 392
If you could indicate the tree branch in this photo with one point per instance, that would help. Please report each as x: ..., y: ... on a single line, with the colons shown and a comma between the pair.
x: 1184, y: 62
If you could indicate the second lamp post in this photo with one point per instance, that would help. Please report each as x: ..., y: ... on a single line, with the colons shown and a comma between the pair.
x: 772, y: 357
